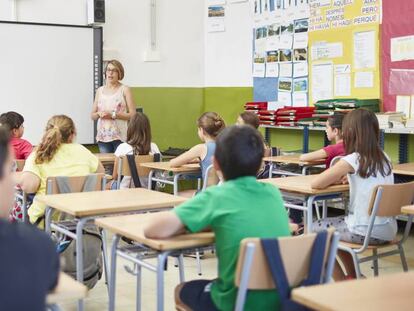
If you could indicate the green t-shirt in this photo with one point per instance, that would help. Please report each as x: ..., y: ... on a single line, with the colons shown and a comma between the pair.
x: 237, y: 209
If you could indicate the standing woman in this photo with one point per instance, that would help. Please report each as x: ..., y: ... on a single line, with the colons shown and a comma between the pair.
x: 113, y: 107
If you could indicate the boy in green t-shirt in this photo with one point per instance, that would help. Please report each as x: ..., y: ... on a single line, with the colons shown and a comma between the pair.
x: 241, y: 207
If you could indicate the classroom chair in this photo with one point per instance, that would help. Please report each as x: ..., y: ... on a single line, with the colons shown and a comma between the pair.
x: 386, y: 201
x: 76, y: 184
x: 124, y: 169
x: 252, y: 258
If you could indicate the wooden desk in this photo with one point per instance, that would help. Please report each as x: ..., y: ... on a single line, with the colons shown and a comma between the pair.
x: 404, y: 169
x: 132, y: 227
x: 409, y: 210
x: 87, y: 206
x: 67, y: 288
x: 177, y: 172
x: 384, y: 293
x: 299, y: 187
x: 106, y: 158
x: 290, y: 159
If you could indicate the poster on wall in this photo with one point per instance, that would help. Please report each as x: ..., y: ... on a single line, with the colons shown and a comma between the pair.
x: 216, y: 18
x: 402, y: 48
x: 322, y: 81
x: 364, y: 49
x: 259, y: 66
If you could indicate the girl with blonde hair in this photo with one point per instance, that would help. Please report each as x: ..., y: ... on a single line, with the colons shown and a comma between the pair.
x: 56, y: 155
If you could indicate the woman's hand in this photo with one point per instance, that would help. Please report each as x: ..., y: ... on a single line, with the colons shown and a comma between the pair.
x: 105, y: 114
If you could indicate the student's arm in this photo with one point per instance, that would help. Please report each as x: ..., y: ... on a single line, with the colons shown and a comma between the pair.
x: 332, y: 175
x: 100, y: 168
x: 130, y: 103
x: 313, y: 156
x: 194, y: 153
x: 28, y: 181
x: 163, y: 226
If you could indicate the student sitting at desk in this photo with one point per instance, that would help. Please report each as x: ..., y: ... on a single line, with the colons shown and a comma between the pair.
x: 333, y: 132
x: 56, y: 155
x: 22, y: 148
x: 29, y: 261
x: 209, y: 126
x: 366, y: 166
x: 138, y: 143
x: 241, y: 207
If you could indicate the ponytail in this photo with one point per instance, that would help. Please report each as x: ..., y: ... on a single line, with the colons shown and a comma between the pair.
x: 58, y: 131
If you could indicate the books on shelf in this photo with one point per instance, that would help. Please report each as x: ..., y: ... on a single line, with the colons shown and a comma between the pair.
x: 390, y: 119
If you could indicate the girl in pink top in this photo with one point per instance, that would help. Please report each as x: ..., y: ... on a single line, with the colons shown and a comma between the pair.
x: 334, y: 133
x: 113, y: 107
x: 14, y: 121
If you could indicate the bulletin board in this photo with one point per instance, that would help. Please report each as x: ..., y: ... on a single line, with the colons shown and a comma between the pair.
x: 339, y: 32
x: 397, y: 23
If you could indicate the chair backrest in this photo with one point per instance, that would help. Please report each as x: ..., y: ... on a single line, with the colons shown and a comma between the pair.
x: 123, y: 166
x: 20, y: 165
x: 296, y: 266
x: 76, y: 183
x: 211, y: 178
x: 390, y: 198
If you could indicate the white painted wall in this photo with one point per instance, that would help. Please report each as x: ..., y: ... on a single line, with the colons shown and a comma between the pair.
x: 190, y: 57
x: 126, y: 35
x: 228, y: 55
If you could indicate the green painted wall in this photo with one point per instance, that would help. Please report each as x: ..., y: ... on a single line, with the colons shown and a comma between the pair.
x: 172, y: 112
x: 227, y: 101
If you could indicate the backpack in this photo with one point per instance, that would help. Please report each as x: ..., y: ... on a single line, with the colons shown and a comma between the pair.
x: 92, y: 241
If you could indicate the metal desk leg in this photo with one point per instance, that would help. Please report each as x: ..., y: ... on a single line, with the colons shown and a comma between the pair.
x: 150, y: 175
x: 403, y: 148
x: 382, y: 139
x: 175, y: 186
x: 309, y: 214
x: 112, y: 279
x: 181, y: 267
x: 139, y: 286
x: 48, y: 219
x: 105, y: 257
x: 79, y: 255
x: 305, y: 146
x: 162, y: 258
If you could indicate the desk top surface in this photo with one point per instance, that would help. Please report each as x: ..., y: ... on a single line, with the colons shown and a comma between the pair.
x: 409, y: 209
x: 404, y: 169
x: 105, y: 157
x: 67, y: 288
x: 165, y: 166
x: 301, y: 184
x: 97, y: 203
x: 132, y: 226
x: 389, y: 292
x: 292, y: 159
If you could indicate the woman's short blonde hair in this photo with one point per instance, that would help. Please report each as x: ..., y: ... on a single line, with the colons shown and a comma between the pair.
x: 118, y: 66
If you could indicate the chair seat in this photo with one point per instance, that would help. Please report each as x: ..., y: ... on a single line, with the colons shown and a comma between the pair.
x: 356, y: 246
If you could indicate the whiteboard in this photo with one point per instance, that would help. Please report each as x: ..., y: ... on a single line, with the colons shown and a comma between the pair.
x: 48, y: 70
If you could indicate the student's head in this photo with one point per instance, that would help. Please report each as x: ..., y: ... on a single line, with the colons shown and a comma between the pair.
x: 239, y: 152
x: 334, y: 126
x: 6, y: 181
x: 360, y: 132
x: 59, y: 130
x: 14, y: 121
x: 114, y: 71
x: 248, y: 118
x: 210, y: 124
x: 139, y: 133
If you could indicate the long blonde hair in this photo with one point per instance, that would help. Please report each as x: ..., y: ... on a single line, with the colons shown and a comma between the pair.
x: 59, y: 130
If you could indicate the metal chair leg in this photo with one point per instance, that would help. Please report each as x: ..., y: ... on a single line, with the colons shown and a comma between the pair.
x: 375, y: 261
x: 403, y: 259
x: 198, y: 262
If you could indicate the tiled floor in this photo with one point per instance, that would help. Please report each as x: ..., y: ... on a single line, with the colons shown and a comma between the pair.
x: 125, y: 294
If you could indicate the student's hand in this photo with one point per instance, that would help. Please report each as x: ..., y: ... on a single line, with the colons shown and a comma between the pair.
x: 105, y: 115
x: 344, y: 180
